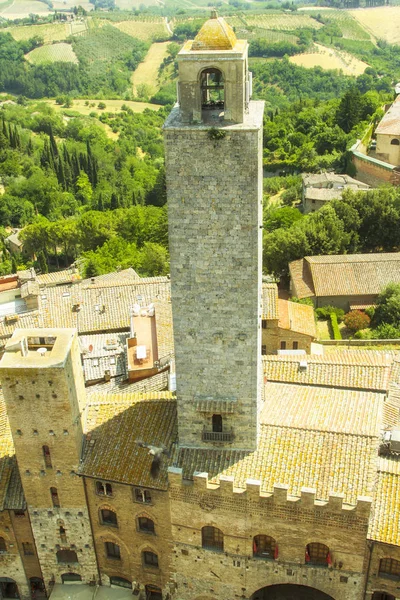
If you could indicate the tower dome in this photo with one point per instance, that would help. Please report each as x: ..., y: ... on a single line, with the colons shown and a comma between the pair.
x: 215, y: 34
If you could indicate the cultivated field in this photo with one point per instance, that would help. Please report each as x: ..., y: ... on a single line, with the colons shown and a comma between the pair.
x: 383, y: 22
x: 50, y: 32
x: 147, y: 71
x: 144, y: 30
x: 282, y: 21
x: 52, y: 53
x: 348, y: 25
x: 19, y: 9
x: 327, y: 58
x: 130, y: 4
x: 111, y: 106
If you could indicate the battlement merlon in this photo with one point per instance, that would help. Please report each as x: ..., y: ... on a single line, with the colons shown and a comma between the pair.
x: 307, y: 499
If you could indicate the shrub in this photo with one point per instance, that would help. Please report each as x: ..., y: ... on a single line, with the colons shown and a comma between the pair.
x: 356, y: 320
x: 386, y: 332
x: 335, y: 327
x: 325, y: 312
x: 364, y: 334
x: 306, y: 301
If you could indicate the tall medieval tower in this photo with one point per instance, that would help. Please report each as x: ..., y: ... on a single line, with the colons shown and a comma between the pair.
x: 213, y: 142
x: 43, y: 388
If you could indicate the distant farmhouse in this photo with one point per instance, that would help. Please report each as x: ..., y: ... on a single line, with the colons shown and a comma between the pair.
x: 320, y: 188
x: 349, y: 281
x: 285, y: 325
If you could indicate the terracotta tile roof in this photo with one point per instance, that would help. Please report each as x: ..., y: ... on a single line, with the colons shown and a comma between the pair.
x: 323, y: 409
x: 114, y: 423
x: 301, y: 278
x: 72, y: 274
x: 299, y: 448
x: 353, y: 369
x: 28, y: 320
x: 390, y: 123
x: 346, y: 274
x: 296, y: 317
x: 385, y: 523
x: 119, y: 385
x: 102, y: 306
x: 269, y: 301
x: 330, y: 180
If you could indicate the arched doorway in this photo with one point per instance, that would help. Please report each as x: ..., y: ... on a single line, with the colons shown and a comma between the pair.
x: 8, y: 588
x: 37, y: 588
x: 289, y: 591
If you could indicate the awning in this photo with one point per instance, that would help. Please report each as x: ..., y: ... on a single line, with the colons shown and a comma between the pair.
x: 72, y: 591
x: 113, y: 593
x: 81, y: 591
x: 361, y: 306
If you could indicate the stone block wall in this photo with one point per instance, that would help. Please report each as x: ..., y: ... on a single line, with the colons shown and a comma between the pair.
x: 11, y: 564
x: 127, y: 536
x: 380, y: 582
x: 215, y: 203
x: 241, y: 515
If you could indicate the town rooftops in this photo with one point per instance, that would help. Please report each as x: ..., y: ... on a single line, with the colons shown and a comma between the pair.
x: 352, y: 369
x: 296, y: 317
x: 390, y: 122
x: 310, y: 437
x: 385, y: 523
x: 331, y: 181
x: 270, y: 301
x: 344, y: 274
x: 113, y: 424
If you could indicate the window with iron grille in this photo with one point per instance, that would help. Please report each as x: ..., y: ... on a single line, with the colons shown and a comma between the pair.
x: 108, y: 517
x: 27, y: 548
x: 146, y: 525
x: 317, y: 554
x: 113, y: 550
x: 264, y: 546
x: 212, y: 538
x: 390, y: 567
x: 150, y: 559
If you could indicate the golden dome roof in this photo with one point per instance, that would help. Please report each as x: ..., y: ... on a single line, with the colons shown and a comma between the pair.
x: 215, y: 34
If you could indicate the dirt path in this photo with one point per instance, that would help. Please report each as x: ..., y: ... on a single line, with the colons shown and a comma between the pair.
x: 147, y: 71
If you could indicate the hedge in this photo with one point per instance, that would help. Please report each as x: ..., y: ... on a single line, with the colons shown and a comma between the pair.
x: 335, y: 327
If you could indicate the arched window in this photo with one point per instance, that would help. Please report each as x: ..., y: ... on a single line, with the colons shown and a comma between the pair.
x: 54, y: 497
x: 395, y: 142
x: 108, y: 517
x: 317, y: 554
x: 8, y: 588
x: 153, y: 592
x: 3, y: 546
x: 265, y: 546
x: 103, y: 489
x: 112, y: 550
x: 150, y: 559
x: 47, y: 457
x: 389, y: 567
x: 67, y: 556
x: 146, y: 525
x: 121, y: 582
x: 217, y: 423
x: 63, y: 535
x: 212, y: 89
x: 212, y: 538
x: 67, y: 577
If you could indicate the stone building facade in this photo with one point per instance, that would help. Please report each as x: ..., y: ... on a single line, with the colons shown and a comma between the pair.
x: 244, y: 484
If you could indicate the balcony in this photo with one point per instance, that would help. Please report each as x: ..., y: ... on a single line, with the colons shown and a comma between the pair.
x: 217, y: 436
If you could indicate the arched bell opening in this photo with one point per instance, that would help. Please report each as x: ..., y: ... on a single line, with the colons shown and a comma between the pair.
x: 212, y: 87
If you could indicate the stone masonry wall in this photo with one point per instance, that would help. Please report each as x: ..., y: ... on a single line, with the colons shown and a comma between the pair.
x: 127, y: 536
x: 215, y: 202
x: 11, y: 562
x: 43, y: 409
x: 234, y: 573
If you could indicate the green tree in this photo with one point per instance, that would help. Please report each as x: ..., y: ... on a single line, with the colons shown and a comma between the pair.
x: 388, y: 307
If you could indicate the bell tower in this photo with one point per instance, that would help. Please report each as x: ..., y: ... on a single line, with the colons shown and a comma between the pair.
x: 213, y: 141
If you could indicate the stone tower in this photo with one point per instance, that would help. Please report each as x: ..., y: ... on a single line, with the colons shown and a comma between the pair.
x: 42, y: 382
x: 213, y: 142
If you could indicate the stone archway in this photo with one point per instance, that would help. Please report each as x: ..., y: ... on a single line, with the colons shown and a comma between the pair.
x: 289, y: 591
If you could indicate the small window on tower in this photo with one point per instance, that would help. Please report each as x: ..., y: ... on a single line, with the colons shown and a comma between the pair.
x: 217, y: 423
x: 47, y: 457
x: 54, y: 497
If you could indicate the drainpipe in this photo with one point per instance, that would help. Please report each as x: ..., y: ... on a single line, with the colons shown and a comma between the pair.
x: 370, y: 544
